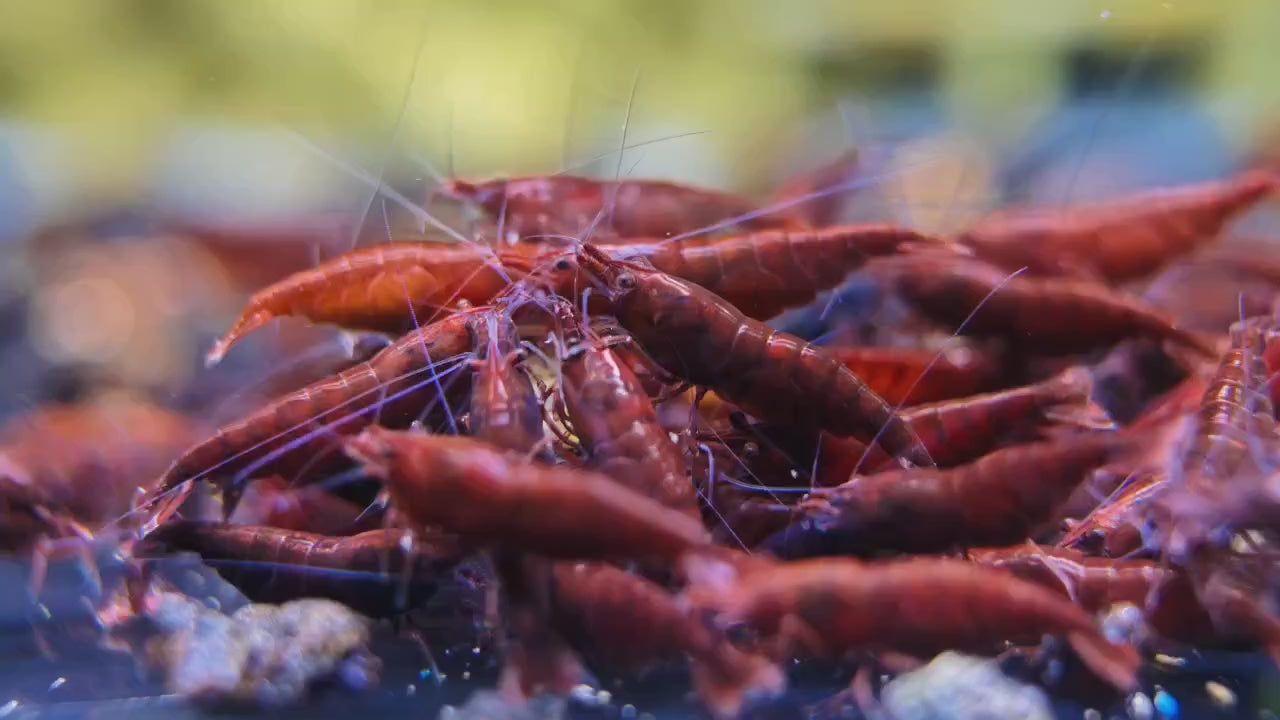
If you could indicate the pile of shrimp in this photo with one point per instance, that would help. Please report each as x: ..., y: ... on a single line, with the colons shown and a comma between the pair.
x: 1065, y: 445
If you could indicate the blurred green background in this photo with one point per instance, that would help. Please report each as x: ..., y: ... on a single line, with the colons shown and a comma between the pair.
x: 518, y: 86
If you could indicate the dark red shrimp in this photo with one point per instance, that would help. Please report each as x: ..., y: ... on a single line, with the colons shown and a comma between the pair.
x: 1047, y: 316
x: 921, y: 606
x: 567, y: 205
x: 392, y: 288
x: 777, y: 377
x: 1001, y: 499
x: 480, y: 493
x: 1165, y: 595
x: 629, y: 624
x: 273, y: 502
x: 300, y: 427
x: 614, y: 419
x: 1120, y: 240
x: 764, y: 273
x: 377, y: 573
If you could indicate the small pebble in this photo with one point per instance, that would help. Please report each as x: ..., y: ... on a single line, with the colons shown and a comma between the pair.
x: 1140, y: 707
x: 1092, y: 714
x: 628, y: 712
x: 8, y: 708
x: 1220, y: 694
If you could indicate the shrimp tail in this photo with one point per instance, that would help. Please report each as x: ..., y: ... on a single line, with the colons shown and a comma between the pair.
x: 1117, y: 664
x: 736, y: 682
x: 1071, y: 405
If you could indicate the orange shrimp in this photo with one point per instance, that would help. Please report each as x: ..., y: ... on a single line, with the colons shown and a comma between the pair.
x: 777, y: 377
x: 480, y: 493
x: 396, y: 387
x: 392, y: 288
x: 375, y: 572
x: 921, y: 606
x: 766, y: 272
x: 566, y: 205
x: 1046, y: 315
x: 614, y: 419
x: 1001, y: 499
x: 1121, y: 240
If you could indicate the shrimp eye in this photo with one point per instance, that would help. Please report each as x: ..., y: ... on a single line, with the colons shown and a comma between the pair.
x: 563, y: 265
x: 626, y: 281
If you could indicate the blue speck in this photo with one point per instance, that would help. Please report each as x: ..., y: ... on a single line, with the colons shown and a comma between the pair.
x: 424, y: 674
x: 1166, y: 705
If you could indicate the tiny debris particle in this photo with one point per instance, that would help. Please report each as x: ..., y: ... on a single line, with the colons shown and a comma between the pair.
x: 1220, y: 694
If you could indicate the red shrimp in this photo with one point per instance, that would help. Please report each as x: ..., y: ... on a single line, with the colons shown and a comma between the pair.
x: 1001, y: 499
x: 273, y: 502
x: 1181, y: 400
x: 390, y: 288
x: 777, y: 377
x: 798, y: 193
x: 764, y: 273
x: 617, y: 424
x: 1046, y: 315
x: 1202, y: 295
x: 568, y: 204
x: 480, y: 493
x: 631, y: 624
x: 1116, y: 528
x: 921, y: 606
x: 505, y: 408
x: 957, y: 431
x: 92, y: 461
x: 1120, y: 240
x: 377, y: 573
x: 1235, y: 406
x: 341, y: 405
x: 927, y: 375
x: 1166, y: 596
